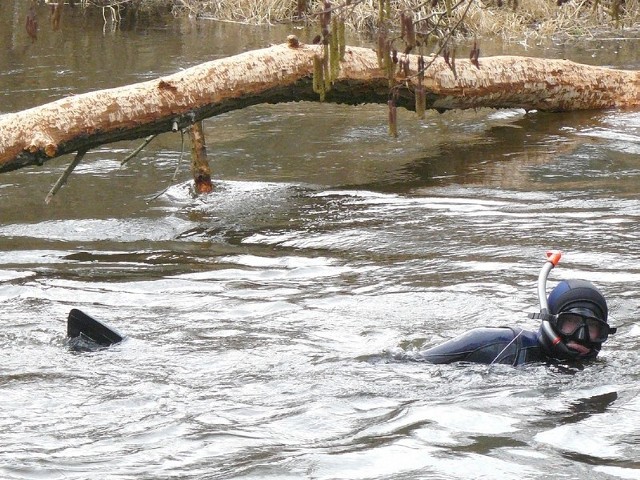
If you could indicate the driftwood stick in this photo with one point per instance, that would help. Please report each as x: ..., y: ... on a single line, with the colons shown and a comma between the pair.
x: 139, y: 149
x: 63, y: 178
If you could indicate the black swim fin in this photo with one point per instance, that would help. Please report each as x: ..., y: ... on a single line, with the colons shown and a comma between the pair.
x: 81, y: 324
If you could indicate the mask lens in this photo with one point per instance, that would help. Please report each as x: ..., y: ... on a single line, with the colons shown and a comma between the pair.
x: 568, y: 323
x: 598, y: 330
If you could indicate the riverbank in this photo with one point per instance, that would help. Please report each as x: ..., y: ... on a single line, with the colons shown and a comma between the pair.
x: 511, y: 20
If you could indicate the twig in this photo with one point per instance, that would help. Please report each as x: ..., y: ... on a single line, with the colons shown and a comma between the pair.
x: 444, y: 42
x: 175, y: 174
x: 138, y: 150
x: 63, y: 178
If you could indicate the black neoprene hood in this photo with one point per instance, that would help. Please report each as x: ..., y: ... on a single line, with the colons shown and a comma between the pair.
x: 570, y: 294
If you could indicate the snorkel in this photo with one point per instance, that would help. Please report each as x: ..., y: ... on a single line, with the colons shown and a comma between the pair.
x: 553, y: 258
x: 551, y: 341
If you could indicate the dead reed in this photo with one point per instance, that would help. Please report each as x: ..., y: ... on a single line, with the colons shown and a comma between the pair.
x: 509, y: 19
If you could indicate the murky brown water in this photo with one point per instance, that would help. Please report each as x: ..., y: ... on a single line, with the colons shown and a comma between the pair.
x: 267, y: 322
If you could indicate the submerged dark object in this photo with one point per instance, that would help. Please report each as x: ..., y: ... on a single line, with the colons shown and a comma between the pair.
x: 83, y: 327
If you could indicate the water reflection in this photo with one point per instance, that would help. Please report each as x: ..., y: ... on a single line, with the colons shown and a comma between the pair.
x: 81, y: 56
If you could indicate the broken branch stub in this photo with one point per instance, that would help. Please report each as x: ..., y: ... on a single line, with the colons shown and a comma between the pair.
x: 199, y: 165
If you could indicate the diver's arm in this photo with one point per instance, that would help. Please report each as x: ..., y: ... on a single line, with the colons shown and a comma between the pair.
x: 480, y: 345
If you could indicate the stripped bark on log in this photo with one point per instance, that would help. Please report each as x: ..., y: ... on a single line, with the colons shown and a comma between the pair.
x: 283, y: 73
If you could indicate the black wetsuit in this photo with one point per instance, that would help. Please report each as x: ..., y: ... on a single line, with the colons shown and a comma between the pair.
x: 511, y: 346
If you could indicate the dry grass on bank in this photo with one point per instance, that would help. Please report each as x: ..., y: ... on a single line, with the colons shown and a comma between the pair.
x: 536, y: 18
x: 244, y: 11
x: 485, y: 18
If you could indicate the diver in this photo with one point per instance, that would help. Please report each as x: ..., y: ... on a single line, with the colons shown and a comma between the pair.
x: 573, y: 328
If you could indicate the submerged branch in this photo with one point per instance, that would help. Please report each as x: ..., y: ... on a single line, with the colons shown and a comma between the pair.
x: 65, y: 176
x: 129, y: 157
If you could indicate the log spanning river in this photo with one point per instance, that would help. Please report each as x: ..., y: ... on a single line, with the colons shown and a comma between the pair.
x: 273, y: 326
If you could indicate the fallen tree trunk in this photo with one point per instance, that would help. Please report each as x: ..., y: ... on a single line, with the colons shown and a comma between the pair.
x: 283, y: 73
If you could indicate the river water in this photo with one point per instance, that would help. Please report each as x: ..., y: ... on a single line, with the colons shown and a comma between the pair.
x: 272, y: 326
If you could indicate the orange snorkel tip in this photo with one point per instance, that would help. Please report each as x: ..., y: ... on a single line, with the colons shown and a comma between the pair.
x: 554, y: 256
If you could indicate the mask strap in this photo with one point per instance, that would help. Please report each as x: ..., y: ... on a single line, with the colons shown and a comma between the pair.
x: 541, y: 316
